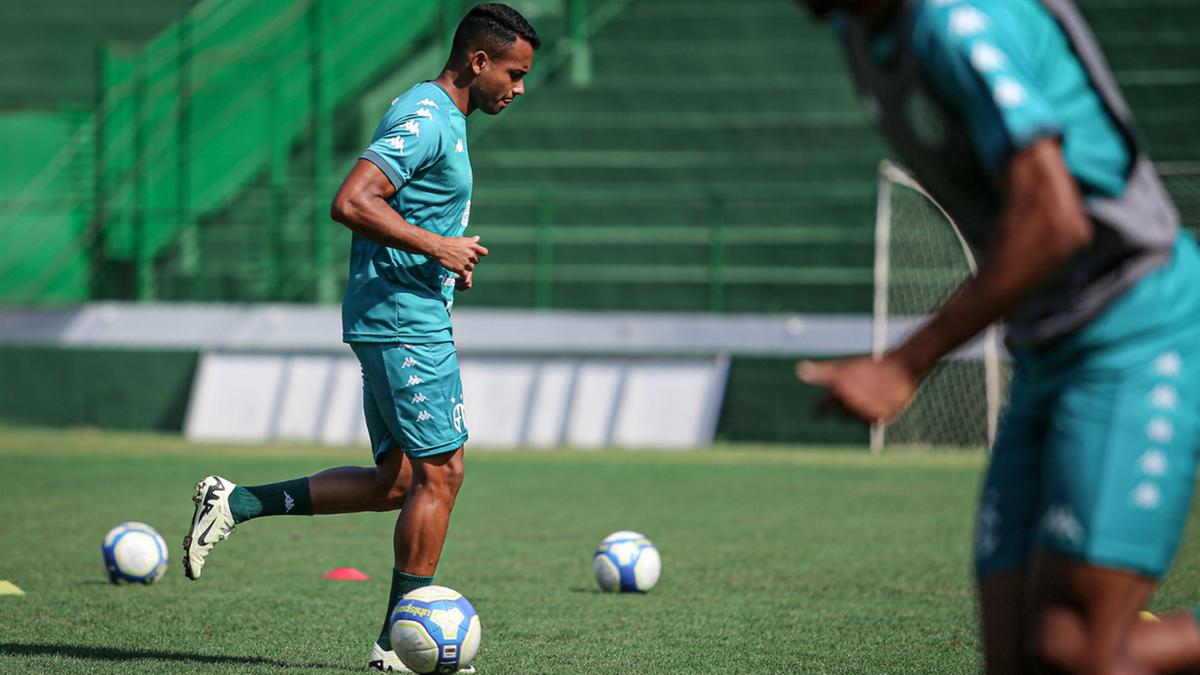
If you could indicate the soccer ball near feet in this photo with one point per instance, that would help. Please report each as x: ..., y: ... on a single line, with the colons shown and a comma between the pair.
x: 133, y: 553
x: 435, y: 630
x: 626, y: 562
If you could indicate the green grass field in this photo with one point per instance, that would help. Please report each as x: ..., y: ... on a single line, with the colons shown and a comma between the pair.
x: 774, y: 560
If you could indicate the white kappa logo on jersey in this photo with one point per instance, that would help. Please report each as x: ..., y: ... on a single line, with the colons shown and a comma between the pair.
x: 424, y: 112
x: 1168, y: 365
x: 396, y: 142
x: 459, y: 146
x: 429, y: 102
x: 424, y: 416
x: 409, y: 362
x: 413, y: 127
x: 1164, y: 397
x: 419, y: 398
x: 967, y: 21
x: 986, y: 57
x: 1009, y: 93
x: 466, y: 219
x: 413, y: 379
x: 449, y: 281
x: 1160, y: 430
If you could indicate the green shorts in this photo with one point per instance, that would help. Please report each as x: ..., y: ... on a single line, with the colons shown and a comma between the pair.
x: 1096, y: 455
x: 412, y: 397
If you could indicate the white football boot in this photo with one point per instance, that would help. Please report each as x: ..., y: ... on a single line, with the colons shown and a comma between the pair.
x: 212, y: 522
x: 385, y: 660
x: 388, y: 662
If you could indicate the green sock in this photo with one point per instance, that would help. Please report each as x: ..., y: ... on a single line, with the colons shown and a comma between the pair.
x: 403, y: 583
x: 289, y: 498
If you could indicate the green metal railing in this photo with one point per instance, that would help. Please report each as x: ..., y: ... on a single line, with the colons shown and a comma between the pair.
x: 237, y: 93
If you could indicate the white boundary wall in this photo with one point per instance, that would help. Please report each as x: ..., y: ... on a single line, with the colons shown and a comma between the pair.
x: 510, y: 401
x: 531, y: 379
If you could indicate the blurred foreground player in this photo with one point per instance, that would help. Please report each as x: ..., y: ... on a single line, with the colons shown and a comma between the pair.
x: 407, y: 200
x: 1007, y: 113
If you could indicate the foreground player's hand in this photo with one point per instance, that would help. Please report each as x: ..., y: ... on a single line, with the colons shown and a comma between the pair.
x: 871, y: 390
x: 459, y: 254
x: 462, y: 282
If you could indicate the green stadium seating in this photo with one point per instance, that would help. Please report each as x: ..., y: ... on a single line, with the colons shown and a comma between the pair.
x: 716, y: 160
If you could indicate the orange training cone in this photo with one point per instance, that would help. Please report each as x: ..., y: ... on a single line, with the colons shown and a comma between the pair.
x: 345, y: 574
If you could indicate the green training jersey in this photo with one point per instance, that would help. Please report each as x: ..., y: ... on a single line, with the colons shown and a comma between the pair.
x: 394, y: 295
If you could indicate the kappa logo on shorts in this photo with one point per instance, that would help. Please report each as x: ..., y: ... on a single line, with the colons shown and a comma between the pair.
x: 413, y: 379
x: 1147, y: 496
x: 424, y: 415
x: 1061, y: 523
x: 987, y: 526
x: 409, y: 362
x: 1153, y: 462
x: 419, y: 398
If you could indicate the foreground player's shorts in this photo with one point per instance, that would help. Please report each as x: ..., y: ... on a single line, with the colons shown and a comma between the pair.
x: 1096, y: 455
x: 412, y: 397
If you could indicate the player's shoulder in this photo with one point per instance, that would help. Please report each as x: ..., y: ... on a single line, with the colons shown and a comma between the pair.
x: 955, y: 28
x: 951, y: 24
x: 424, y: 102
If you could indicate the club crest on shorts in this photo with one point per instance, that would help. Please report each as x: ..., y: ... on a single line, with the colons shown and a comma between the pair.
x: 457, y: 416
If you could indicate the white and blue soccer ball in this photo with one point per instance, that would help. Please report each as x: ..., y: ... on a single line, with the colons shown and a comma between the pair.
x: 133, y: 553
x: 435, y: 630
x: 626, y: 562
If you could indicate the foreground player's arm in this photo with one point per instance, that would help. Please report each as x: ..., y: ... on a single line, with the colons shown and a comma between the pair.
x: 361, y: 204
x: 1043, y: 225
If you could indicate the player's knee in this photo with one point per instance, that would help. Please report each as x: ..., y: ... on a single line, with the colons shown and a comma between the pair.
x: 445, y: 479
x: 393, y: 496
x: 1058, y: 640
x: 391, y: 487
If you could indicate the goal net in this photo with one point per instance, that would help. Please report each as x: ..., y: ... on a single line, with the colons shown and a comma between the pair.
x: 921, y: 258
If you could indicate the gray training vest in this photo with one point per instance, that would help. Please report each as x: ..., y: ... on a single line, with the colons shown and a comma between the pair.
x: 1134, y: 233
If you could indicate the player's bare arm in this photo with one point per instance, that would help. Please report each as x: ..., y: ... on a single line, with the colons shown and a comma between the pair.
x: 361, y: 204
x: 1043, y: 225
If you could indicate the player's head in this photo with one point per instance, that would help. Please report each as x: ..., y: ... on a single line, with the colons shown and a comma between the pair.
x: 494, y: 47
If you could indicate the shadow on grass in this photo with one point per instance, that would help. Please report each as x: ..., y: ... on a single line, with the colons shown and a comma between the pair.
x: 119, y: 654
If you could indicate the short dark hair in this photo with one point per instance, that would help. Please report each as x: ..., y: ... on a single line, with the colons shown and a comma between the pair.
x: 492, y: 27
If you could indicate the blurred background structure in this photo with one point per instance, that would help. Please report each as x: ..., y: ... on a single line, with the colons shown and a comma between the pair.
x: 696, y: 157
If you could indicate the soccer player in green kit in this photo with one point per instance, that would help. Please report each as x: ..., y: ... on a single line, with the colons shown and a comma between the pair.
x: 1007, y: 113
x: 407, y: 201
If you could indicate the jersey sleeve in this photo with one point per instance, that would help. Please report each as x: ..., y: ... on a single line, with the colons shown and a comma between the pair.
x: 407, y: 144
x: 978, y: 59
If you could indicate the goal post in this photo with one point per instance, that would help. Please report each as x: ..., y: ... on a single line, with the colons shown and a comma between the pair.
x: 921, y: 259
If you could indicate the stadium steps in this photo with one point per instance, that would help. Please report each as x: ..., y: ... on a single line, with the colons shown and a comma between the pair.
x: 678, y: 120
x: 49, y: 49
x: 687, y: 149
